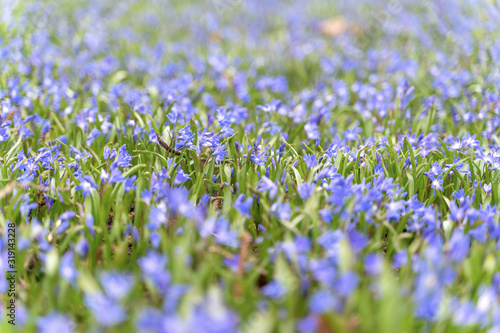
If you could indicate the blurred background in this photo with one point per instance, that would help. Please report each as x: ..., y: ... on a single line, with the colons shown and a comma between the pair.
x: 300, y: 38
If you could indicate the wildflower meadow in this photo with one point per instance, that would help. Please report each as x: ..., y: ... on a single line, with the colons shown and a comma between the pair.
x: 174, y: 166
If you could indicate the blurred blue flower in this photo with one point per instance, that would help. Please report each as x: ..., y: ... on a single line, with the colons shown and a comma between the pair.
x: 242, y: 205
x: 274, y: 289
x: 306, y: 190
x: 55, y: 322
x: 106, y: 311
x: 116, y: 284
x: 86, y: 185
x: 67, y: 268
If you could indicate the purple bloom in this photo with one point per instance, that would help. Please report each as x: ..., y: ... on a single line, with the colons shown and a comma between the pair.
x: 92, y: 136
x: 282, y: 210
x: 400, y: 259
x: 373, y: 264
x: 212, y: 315
x: 82, y: 247
x: 149, y: 320
x: 4, y: 134
x: 181, y: 177
x: 330, y: 239
x: 86, y: 185
x: 105, y: 310
x: 459, y: 245
x: 26, y: 206
x: 153, y: 269
x: 123, y: 159
x: 67, y: 268
x: 224, y: 235
x: 436, y: 183
x: 116, y: 284
x: 116, y: 176
x: 306, y: 190
x: 67, y: 216
x: 267, y: 184
x: 274, y: 290
x: 307, y: 325
x: 220, y: 153
x: 89, y: 223
x: 394, y: 209
x: 455, y: 145
x: 357, y: 240
x: 346, y: 284
x: 323, y: 301
x: 55, y: 322
x: 311, y: 161
x: 129, y: 184
x: 243, y: 206
x: 179, y: 203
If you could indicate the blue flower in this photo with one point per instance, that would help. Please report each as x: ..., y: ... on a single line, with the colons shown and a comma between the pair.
x: 149, y: 320
x: 373, y: 264
x: 86, y: 185
x: 274, y: 289
x: 306, y: 190
x: 67, y: 268
x: 82, y: 247
x: 394, y: 209
x: 220, y: 153
x: 400, y: 259
x: 89, y: 223
x: 105, y: 310
x: 92, y: 136
x: 26, y: 206
x: 129, y: 184
x: 67, y: 215
x: 55, y: 322
x: 153, y: 269
x: 346, y: 284
x: 243, y: 206
x: 459, y: 246
x: 116, y: 176
x: 282, y: 210
x: 311, y: 161
x: 116, y: 284
x: 307, y: 325
x: 211, y: 314
x: 224, y: 235
x: 436, y: 183
x: 258, y: 158
x: 323, y: 301
x: 4, y: 134
x: 124, y: 158
x: 181, y: 177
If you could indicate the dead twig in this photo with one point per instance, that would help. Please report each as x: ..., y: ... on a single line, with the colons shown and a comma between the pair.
x: 167, y: 147
x: 178, y: 152
x: 246, y: 239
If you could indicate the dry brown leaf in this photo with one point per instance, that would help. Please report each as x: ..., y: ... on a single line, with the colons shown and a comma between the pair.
x: 333, y: 27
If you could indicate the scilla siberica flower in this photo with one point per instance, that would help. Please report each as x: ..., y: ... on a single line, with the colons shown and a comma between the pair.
x: 55, y: 322
x: 274, y: 289
x: 67, y: 268
x: 106, y: 311
x: 86, y: 185
x: 306, y: 190
x: 181, y: 177
x: 116, y: 284
x: 242, y: 205
x: 267, y: 184
x: 153, y: 269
